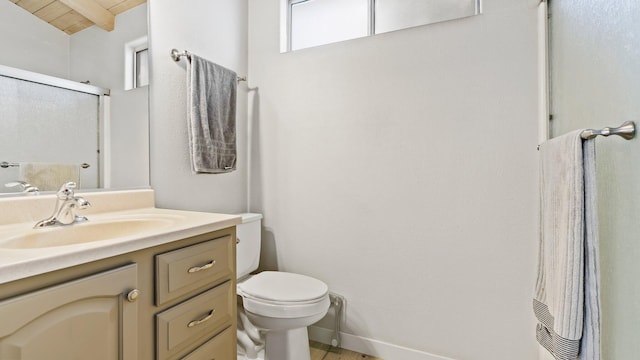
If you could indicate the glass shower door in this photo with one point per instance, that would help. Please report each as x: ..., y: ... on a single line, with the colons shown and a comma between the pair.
x: 48, y: 124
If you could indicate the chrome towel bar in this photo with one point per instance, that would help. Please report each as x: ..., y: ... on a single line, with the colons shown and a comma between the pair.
x: 627, y: 131
x: 6, y: 164
x: 176, y: 55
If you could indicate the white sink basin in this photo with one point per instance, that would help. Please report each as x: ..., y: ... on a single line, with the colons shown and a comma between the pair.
x: 110, y: 228
x: 119, y: 222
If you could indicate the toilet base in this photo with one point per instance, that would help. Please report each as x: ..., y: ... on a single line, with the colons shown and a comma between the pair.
x: 287, y: 344
x: 242, y: 356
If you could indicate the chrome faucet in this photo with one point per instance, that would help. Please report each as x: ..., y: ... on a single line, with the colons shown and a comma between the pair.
x: 25, y: 187
x: 66, y: 206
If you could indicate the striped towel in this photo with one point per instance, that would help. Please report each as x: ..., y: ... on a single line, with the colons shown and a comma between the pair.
x: 566, y: 302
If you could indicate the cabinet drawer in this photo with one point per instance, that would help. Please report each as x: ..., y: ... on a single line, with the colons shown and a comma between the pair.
x: 221, y: 347
x: 182, y: 271
x: 194, y: 320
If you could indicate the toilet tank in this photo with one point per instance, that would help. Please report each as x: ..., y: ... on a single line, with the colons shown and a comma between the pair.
x: 248, y: 235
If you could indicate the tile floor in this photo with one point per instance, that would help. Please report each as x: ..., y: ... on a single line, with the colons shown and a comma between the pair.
x: 326, y: 352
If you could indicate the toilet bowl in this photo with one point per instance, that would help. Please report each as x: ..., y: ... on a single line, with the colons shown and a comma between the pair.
x: 280, y: 304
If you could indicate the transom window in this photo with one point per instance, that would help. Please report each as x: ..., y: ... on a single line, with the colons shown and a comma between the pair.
x: 311, y: 23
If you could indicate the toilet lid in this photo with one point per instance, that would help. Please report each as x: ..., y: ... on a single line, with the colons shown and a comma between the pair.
x: 283, y: 287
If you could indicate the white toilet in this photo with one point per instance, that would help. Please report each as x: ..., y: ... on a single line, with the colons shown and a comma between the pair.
x: 280, y: 304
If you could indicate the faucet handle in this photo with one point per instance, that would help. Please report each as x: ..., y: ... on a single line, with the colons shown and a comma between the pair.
x: 66, y: 190
x: 82, y: 203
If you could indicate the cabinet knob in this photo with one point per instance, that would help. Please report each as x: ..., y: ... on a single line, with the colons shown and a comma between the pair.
x: 133, y: 295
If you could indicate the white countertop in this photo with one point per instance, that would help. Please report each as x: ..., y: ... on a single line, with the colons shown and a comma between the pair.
x: 18, y: 263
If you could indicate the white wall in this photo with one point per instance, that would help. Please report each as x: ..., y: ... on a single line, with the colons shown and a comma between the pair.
x: 402, y: 170
x: 98, y: 56
x: 27, y: 40
x: 596, y: 83
x: 216, y: 30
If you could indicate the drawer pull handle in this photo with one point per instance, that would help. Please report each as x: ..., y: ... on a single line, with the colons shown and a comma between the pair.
x: 206, y: 266
x: 206, y: 318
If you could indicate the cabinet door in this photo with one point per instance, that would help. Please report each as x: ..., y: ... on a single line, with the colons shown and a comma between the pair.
x: 89, y: 318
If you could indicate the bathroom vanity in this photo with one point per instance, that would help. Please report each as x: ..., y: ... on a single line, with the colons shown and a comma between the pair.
x: 147, y: 283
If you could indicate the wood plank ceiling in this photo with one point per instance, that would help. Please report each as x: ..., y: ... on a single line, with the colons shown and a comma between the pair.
x: 72, y: 16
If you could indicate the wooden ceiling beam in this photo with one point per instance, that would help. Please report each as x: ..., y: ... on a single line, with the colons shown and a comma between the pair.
x: 92, y: 11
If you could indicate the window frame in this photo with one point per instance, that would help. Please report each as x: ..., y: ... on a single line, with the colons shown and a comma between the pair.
x: 286, y: 11
x: 131, y: 49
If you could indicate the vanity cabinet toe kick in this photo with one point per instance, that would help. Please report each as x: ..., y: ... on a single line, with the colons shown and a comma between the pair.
x: 172, y: 301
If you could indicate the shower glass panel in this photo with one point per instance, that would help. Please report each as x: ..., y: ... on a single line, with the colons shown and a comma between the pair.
x: 393, y: 15
x: 46, y: 124
x: 315, y: 22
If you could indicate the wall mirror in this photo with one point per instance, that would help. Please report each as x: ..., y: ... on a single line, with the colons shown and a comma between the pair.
x: 102, y: 50
x: 309, y: 23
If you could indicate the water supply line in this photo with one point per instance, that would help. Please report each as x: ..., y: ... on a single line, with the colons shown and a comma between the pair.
x: 338, y: 303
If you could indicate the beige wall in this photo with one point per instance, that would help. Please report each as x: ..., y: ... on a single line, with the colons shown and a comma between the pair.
x: 401, y: 169
x: 216, y: 30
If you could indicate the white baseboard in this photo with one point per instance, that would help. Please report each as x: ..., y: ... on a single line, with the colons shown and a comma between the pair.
x: 383, y: 350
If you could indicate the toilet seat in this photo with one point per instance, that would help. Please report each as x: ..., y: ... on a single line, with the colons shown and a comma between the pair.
x: 283, y: 295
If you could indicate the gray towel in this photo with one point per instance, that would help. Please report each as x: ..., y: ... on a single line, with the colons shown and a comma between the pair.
x: 567, y: 302
x: 211, y: 116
